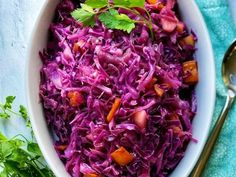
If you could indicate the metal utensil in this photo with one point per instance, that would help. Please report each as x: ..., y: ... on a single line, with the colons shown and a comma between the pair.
x: 229, y: 78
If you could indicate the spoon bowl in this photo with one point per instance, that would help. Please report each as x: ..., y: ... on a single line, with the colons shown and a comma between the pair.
x: 229, y: 68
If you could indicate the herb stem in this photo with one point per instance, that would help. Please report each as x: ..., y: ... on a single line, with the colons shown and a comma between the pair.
x: 20, y: 135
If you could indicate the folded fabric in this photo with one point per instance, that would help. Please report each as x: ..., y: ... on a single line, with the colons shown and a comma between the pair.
x: 222, y: 32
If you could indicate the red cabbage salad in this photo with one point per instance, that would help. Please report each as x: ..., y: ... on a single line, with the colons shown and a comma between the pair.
x: 117, y: 87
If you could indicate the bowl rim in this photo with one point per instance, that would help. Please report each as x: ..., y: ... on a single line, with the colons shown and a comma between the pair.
x: 27, y: 84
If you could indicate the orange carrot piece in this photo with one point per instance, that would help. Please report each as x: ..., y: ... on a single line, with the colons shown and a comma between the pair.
x: 113, y: 110
x: 77, y: 46
x: 75, y: 97
x: 159, y: 91
x: 61, y: 147
x: 91, y: 175
x: 160, y: 6
x: 174, y: 116
x: 157, y: 5
x: 152, y: 1
x: 151, y: 83
x: 189, y: 40
x: 178, y: 131
x: 180, y: 27
x: 190, y: 72
x: 122, y: 156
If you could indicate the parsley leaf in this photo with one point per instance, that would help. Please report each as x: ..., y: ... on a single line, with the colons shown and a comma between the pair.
x: 97, y: 3
x: 130, y: 3
x: 34, y: 148
x: 4, y: 115
x: 85, y: 16
x: 23, y: 112
x: 9, y: 101
x: 18, y: 157
x: 2, y: 137
x: 87, y: 8
x: 112, y: 19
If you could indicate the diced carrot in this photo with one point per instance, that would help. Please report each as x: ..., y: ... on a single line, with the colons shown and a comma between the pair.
x: 152, y: 1
x: 122, y: 156
x: 61, y: 147
x: 151, y: 83
x: 157, y: 5
x: 174, y: 116
x: 113, y: 110
x: 91, y: 175
x: 77, y: 46
x: 178, y: 131
x: 159, y: 91
x: 189, y: 40
x: 75, y: 97
x: 140, y: 119
x: 160, y: 6
x: 180, y: 27
x: 190, y: 72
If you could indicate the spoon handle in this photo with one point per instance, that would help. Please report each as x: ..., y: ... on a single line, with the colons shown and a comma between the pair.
x: 199, y: 167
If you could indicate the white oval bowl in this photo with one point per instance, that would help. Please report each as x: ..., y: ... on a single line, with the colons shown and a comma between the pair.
x: 205, y: 90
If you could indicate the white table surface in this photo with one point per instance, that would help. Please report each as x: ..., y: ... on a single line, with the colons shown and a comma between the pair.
x: 17, y: 19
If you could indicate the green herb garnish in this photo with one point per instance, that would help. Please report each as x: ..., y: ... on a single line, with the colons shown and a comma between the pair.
x: 20, y: 157
x: 108, y: 14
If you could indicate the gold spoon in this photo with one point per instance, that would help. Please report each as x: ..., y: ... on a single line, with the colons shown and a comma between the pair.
x: 229, y: 78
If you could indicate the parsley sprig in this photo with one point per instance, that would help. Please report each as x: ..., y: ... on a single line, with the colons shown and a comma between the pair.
x: 6, y: 110
x: 19, y: 157
x: 108, y: 14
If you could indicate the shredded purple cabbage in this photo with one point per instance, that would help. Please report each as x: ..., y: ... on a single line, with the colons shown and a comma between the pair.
x: 109, y: 64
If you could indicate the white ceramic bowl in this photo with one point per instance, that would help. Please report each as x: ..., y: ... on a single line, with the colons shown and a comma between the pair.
x: 205, y: 90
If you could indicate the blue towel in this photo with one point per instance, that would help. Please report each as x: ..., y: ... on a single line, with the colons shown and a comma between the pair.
x: 222, y: 32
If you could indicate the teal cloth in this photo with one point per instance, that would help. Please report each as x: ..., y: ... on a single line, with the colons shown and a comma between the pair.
x: 222, y: 32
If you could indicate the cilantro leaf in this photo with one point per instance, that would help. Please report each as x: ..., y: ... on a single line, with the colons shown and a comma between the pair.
x: 87, y: 8
x: 84, y: 16
x: 18, y: 157
x: 130, y: 3
x: 2, y: 137
x: 23, y: 112
x: 114, y: 20
x: 34, y: 148
x: 9, y: 101
x: 4, y: 115
x: 8, y: 146
x: 97, y: 3
x: 4, y: 173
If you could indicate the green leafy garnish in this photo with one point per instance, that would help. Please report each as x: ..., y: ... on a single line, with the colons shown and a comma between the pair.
x: 84, y: 15
x: 113, y: 20
x: 130, y: 3
x: 34, y: 148
x: 6, y: 107
x: 9, y: 101
x: 97, y: 3
x: 16, y: 161
x: 108, y: 14
x: 20, y: 157
x: 24, y: 115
